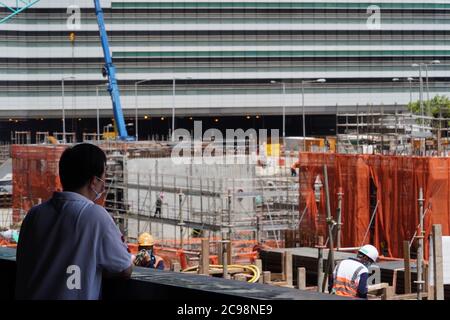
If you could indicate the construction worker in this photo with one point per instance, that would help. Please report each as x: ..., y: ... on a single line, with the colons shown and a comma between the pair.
x: 159, y: 204
x: 350, y: 276
x: 294, y: 170
x: 146, y: 257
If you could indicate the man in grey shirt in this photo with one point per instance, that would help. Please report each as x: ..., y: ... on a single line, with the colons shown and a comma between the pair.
x: 68, y: 243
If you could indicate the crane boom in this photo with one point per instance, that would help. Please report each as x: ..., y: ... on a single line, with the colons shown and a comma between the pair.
x: 21, y: 5
x: 109, y: 70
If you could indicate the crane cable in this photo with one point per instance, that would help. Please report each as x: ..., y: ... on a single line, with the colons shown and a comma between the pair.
x: 252, y: 268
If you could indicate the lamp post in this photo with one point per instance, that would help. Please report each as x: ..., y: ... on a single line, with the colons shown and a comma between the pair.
x: 174, y: 79
x: 283, y: 88
x: 63, y: 108
x: 136, y: 105
x: 303, y: 106
x: 420, y: 65
x: 431, y: 63
x: 410, y: 80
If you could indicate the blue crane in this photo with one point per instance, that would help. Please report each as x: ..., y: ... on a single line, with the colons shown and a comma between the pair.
x: 109, y: 70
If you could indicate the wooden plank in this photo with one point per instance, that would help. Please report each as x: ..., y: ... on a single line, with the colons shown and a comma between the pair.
x: 407, y: 277
x: 288, y: 268
x: 229, y: 253
x: 283, y: 265
x: 438, y: 266
x: 409, y: 296
x: 258, y: 264
x: 204, y: 262
x: 301, y: 278
x: 378, y: 286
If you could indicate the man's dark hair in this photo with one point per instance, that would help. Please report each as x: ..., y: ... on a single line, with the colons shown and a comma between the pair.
x: 79, y: 164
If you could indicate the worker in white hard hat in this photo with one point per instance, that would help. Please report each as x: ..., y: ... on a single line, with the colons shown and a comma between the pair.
x: 350, y: 276
x: 146, y: 256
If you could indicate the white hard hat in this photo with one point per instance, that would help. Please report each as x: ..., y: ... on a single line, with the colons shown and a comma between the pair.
x: 370, y: 251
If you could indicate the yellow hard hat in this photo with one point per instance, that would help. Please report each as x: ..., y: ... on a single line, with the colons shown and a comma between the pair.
x: 146, y: 239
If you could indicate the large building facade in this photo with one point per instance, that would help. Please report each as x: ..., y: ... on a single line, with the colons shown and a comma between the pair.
x: 229, y: 61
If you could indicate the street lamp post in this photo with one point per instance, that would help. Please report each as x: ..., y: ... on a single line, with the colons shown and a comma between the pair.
x: 410, y: 80
x: 136, y: 106
x: 174, y: 79
x: 173, y: 108
x: 434, y: 62
x: 283, y: 88
x: 63, y: 108
x: 303, y: 107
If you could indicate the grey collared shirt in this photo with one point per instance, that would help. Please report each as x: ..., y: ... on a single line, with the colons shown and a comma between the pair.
x: 64, y: 246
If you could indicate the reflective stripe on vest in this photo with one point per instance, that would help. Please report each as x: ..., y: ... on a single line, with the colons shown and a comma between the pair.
x: 346, y: 287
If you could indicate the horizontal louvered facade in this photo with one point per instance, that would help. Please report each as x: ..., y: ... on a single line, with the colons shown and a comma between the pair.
x: 229, y: 50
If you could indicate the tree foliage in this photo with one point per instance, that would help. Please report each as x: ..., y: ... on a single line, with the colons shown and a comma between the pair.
x: 432, y: 107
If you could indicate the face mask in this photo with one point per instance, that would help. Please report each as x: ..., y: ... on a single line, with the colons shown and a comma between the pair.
x: 98, y: 195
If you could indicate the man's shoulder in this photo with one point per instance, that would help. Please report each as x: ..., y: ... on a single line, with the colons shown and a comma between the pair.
x: 356, y: 264
x: 98, y: 213
x: 39, y: 208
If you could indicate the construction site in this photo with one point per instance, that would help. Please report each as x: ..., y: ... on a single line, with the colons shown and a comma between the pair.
x: 264, y: 218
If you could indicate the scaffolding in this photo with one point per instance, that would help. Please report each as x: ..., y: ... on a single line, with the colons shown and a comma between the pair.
x: 21, y: 137
x: 5, y: 152
x: 391, y: 133
x: 259, y: 207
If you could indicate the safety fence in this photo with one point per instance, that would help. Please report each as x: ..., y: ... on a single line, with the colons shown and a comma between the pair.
x: 380, y: 198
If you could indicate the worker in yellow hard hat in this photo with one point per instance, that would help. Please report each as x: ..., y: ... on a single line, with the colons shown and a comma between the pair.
x: 146, y: 257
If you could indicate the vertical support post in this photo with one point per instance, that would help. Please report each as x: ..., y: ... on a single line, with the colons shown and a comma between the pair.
x: 330, y: 261
x: 388, y: 293
x: 204, y: 266
x: 339, y: 218
x: 138, y: 204
x: 420, y: 248
x: 320, y: 264
x: 288, y: 268
x: 201, y: 200
x: 225, y: 260
x: 258, y: 264
x: 407, y: 264
x: 267, y: 277
x: 150, y: 202
x: 438, y: 268
x: 301, y: 278
x: 229, y: 252
x: 357, y: 128
x: 176, y: 267
x: 180, y: 202
x: 229, y: 215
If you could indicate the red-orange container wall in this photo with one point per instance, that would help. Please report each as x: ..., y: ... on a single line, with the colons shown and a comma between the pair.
x: 397, y: 181
x: 35, y: 175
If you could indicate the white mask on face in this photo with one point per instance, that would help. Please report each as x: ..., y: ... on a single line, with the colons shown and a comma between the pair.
x: 98, y: 195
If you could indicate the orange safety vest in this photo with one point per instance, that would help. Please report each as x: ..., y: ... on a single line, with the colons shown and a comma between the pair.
x: 346, y: 278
